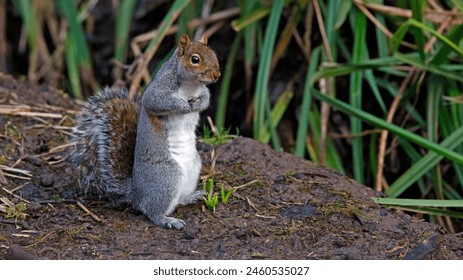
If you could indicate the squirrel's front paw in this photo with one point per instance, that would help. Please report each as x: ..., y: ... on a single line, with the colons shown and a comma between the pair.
x: 199, y: 103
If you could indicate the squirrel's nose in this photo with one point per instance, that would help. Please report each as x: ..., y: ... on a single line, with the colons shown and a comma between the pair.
x: 216, y: 75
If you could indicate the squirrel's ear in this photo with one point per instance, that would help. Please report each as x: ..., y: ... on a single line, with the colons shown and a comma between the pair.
x: 203, y: 39
x: 183, y: 43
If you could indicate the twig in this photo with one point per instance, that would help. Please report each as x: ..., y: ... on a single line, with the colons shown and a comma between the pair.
x: 324, y: 84
x: 57, y: 127
x: 21, y: 171
x: 32, y: 114
x: 57, y: 149
x: 378, y: 24
x: 321, y: 25
x: 432, y: 15
x: 21, y: 235
x: 214, y: 28
x: 3, y: 180
x: 15, y: 222
x: 251, y: 204
x: 308, y: 31
x: 205, y: 12
x: 369, y: 15
x: 265, y: 217
x: 17, y: 196
x: 219, y: 16
x: 213, y: 128
x: 49, y: 202
x: 41, y: 240
x: 293, y: 203
x: 5, y: 200
x: 16, y: 176
x: 441, y: 29
x: 354, y: 135
x: 300, y: 43
x: 18, y: 187
x: 384, y: 132
x: 246, y: 184
x: 95, y: 217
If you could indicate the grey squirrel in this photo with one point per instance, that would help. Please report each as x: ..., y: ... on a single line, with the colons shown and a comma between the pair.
x: 143, y: 152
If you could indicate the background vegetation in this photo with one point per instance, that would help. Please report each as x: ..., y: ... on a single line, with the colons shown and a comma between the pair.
x: 372, y: 88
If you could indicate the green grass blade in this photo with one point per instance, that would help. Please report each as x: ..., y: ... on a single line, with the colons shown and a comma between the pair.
x: 424, y: 165
x: 433, y: 98
x: 250, y: 18
x: 342, y: 106
x: 411, y: 110
x: 246, y: 8
x: 444, y: 51
x: 371, y: 79
x: 123, y: 21
x: 263, y: 73
x: 253, y: 15
x: 343, y: 11
x: 276, y: 144
x: 373, y: 154
x: 225, y: 83
x: 458, y: 3
x: 174, y: 11
x: 414, y: 156
x: 355, y: 95
x: 432, y: 211
x: 332, y: 157
x: 418, y: 202
x: 334, y: 70
x: 445, y: 40
x: 69, y: 10
x: 425, y: 206
x: 417, y: 7
x: 276, y: 114
x: 27, y: 14
x: 436, y: 69
x: 79, y: 62
x: 381, y: 38
x: 398, y: 37
x: 306, y: 104
x: 450, y: 120
x: 73, y: 69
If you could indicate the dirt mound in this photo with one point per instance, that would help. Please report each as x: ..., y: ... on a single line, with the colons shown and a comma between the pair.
x: 283, y: 207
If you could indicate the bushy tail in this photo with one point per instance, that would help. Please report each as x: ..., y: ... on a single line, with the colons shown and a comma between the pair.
x: 104, y: 139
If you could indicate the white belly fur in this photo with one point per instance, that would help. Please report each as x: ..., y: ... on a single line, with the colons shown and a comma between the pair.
x: 181, y: 139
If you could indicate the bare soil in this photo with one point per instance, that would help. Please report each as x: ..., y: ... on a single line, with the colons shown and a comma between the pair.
x: 284, y: 207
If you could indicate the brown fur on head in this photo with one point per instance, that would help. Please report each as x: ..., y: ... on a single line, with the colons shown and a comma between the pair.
x: 197, y: 62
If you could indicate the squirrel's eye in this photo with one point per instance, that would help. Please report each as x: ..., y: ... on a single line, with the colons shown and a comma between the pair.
x: 194, y: 59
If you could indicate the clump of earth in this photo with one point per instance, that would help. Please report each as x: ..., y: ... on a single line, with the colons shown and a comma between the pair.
x: 283, y: 207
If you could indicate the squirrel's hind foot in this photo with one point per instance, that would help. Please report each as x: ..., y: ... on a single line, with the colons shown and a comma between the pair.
x: 169, y: 222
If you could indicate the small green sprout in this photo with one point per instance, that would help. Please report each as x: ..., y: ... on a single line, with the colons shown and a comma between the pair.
x: 225, y: 194
x: 220, y: 136
x: 16, y: 211
x: 212, y: 199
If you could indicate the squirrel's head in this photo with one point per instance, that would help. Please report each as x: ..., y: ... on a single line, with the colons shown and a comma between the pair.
x: 197, y: 62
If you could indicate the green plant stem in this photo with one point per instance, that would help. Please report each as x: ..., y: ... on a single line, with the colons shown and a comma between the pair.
x: 263, y: 73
